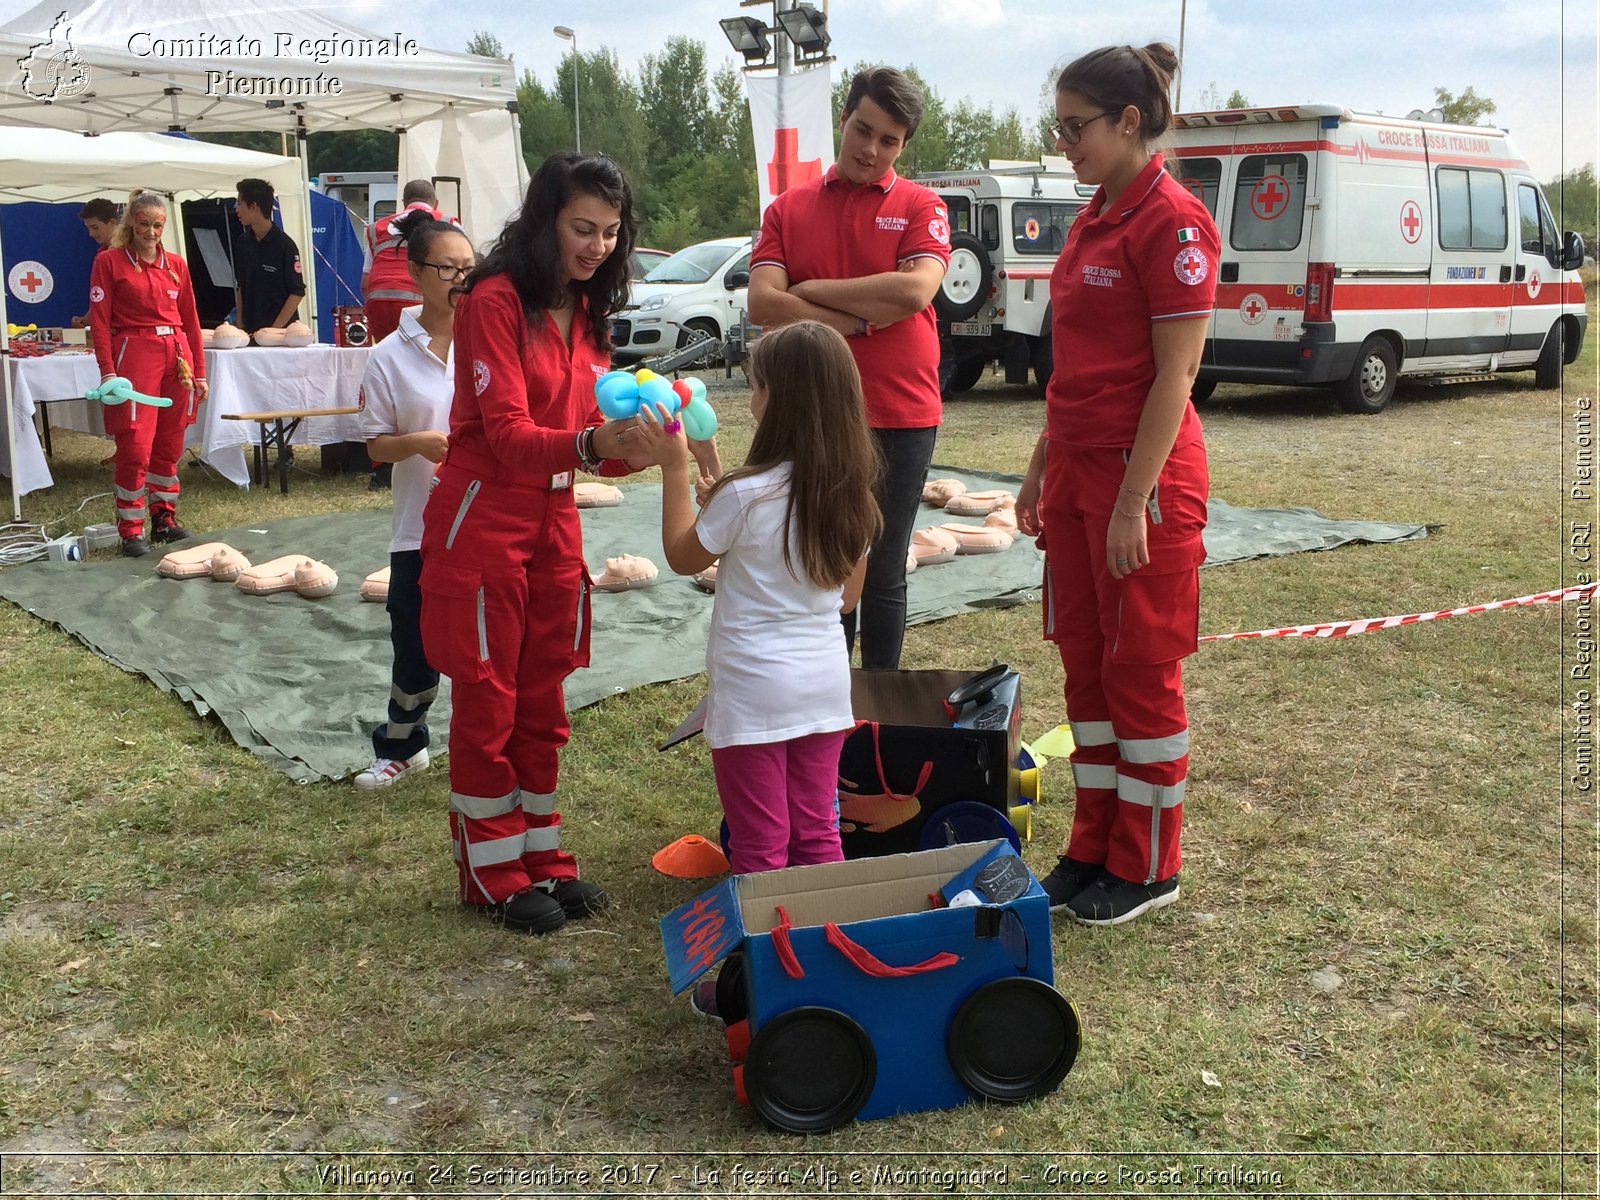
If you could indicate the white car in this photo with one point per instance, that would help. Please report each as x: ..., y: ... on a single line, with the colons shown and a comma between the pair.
x: 702, y: 288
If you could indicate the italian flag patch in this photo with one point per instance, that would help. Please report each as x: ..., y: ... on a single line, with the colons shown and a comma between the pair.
x: 1188, y: 235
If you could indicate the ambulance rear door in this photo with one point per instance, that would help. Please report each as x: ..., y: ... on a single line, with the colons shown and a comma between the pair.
x: 1265, y: 244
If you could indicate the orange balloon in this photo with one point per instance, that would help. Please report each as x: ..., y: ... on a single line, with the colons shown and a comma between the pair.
x: 680, y: 388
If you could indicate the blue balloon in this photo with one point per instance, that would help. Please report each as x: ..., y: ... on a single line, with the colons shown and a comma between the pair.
x: 699, y: 419
x: 658, y: 391
x: 697, y: 388
x: 617, y: 393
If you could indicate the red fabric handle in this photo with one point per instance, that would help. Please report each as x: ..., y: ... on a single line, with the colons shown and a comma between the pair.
x: 785, y: 948
x: 869, y: 964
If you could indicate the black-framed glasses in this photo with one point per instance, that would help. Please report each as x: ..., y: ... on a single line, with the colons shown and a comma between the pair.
x: 1070, y: 131
x: 448, y: 272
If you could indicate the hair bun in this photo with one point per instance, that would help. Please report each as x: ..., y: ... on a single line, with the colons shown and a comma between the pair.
x: 1164, y: 56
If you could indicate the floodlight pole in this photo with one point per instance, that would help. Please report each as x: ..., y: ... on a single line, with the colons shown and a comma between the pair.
x: 571, y: 35
x: 1183, y: 21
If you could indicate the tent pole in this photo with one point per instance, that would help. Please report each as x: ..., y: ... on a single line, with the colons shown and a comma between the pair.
x: 308, y: 256
x: 11, y: 416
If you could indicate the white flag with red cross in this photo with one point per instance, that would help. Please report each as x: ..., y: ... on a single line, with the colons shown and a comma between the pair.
x: 791, y: 117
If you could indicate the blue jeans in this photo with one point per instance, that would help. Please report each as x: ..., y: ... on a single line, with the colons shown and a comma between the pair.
x: 906, y: 455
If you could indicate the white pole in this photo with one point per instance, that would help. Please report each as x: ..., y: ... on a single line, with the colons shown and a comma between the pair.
x: 1183, y: 21
x: 5, y: 390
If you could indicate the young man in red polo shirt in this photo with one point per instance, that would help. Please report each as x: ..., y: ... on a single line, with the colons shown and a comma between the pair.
x: 865, y: 251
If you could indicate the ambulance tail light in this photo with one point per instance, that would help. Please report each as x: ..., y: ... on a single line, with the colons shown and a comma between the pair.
x: 1319, y: 292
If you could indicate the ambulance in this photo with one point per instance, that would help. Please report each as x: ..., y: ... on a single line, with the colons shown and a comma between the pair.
x: 1008, y: 223
x: 1360, y: 249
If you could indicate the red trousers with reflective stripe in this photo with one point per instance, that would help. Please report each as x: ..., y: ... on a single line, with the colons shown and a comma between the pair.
x: 505, y: 614
x: 1122, y: 644
x: 149, y: 440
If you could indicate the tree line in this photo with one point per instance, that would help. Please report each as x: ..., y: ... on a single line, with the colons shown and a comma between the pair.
x: 689, y: 153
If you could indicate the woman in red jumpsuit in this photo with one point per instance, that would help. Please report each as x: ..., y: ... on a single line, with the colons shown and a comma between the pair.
x: 1116, y: 489
x: 505, y: 592
x: 145, y: 328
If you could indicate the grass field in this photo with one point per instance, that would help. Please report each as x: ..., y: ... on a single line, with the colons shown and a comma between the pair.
x: 1381, y: 977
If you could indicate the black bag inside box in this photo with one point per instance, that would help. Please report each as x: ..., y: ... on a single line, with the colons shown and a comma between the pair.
x: 910, y: 758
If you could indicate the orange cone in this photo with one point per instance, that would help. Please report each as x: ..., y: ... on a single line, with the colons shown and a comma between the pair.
x: 690, y: 857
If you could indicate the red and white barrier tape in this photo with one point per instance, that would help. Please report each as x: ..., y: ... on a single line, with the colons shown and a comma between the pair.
x: 1337, y: 629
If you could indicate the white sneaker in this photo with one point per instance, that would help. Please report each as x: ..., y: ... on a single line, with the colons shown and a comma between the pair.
x: 385, y: 771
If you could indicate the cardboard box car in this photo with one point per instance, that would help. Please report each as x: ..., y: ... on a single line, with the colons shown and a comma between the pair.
x: 912, y: 760
x: 879, y: 986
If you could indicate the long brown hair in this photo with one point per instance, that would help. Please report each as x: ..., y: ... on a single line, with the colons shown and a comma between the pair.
x: 816, y: 419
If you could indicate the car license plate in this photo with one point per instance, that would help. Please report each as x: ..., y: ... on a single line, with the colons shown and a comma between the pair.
x: 970, y: 328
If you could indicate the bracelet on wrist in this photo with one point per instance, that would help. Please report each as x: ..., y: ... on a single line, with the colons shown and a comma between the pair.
x: 588, y: 460
x: 1135, y: 515
x: 1144, y: 497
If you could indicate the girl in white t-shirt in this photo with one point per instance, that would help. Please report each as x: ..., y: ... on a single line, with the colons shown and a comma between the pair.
x: 791, y: 528
x: 406, y: 395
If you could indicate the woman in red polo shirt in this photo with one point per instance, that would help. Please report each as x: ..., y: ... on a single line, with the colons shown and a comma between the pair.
x: 505, y: 593
x: 1116, y: 489
x: 144, y: 327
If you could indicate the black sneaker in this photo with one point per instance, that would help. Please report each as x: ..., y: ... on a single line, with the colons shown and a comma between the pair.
x: 579, y: 899
x: 135, y: 547
x: 1068, y: 879
x: 165, y: 528
x: 532, y: 911
x: 1110, y: 900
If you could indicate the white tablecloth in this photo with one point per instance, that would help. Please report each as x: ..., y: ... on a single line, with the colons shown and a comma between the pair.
x: 252, y: 379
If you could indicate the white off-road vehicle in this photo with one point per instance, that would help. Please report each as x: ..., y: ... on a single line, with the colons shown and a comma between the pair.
x: 1008, y: 224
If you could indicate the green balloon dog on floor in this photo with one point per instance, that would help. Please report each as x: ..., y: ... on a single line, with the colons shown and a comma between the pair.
x: 119, y: 390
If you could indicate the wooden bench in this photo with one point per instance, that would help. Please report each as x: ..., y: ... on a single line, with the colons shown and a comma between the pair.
x: 276, y: 430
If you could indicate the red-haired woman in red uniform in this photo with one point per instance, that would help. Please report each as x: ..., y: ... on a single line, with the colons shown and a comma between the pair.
x: 1117, y: 485
x: 143, y: 322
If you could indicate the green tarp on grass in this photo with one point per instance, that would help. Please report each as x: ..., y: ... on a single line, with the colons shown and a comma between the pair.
x: 301, y: 682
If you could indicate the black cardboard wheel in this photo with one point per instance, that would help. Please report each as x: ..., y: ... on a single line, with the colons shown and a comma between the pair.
x: 1014, y: 1039
x: 810, y: 1070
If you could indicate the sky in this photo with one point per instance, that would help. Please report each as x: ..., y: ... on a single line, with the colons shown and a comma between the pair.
x: 1535, y: 58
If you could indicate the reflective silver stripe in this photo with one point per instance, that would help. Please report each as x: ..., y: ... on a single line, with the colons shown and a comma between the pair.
x: 540, y: 804
x: 461, y: 513
x: 408, y: 701
x: 481, y: 808
x: 583, y: 592
x: 1154, y: 750
x: 492, y: 853
x: 1155, y: 842
x: 165, y: 493
x: 1150, y: 795
x: 125, y: 494
x: 1094, y: 775
x: 168, y: 480
x: 540, y: 840
x: 1092, y: 733
x: 394, y: 731
x: 483, y: 629
x: 1049, y: 602
x: 130, y: 514
x: 120, y: 353
x: 394, y: 294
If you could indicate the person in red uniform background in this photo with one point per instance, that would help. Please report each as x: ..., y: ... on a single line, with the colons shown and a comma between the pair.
x: 864, y: 251
x: 387, y: 288
x: 505, y: 592
x: 144, y: 325
x: 1116, y: 489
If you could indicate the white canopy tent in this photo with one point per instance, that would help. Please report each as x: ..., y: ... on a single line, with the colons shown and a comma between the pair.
x: 52, y: 166
x: 215, y: 66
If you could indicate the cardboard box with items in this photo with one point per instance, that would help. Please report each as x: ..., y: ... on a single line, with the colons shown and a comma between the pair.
x: 885, y: 985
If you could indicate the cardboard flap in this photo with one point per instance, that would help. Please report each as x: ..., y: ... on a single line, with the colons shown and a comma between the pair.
x: 694, y: 723
x: 698, y: 935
